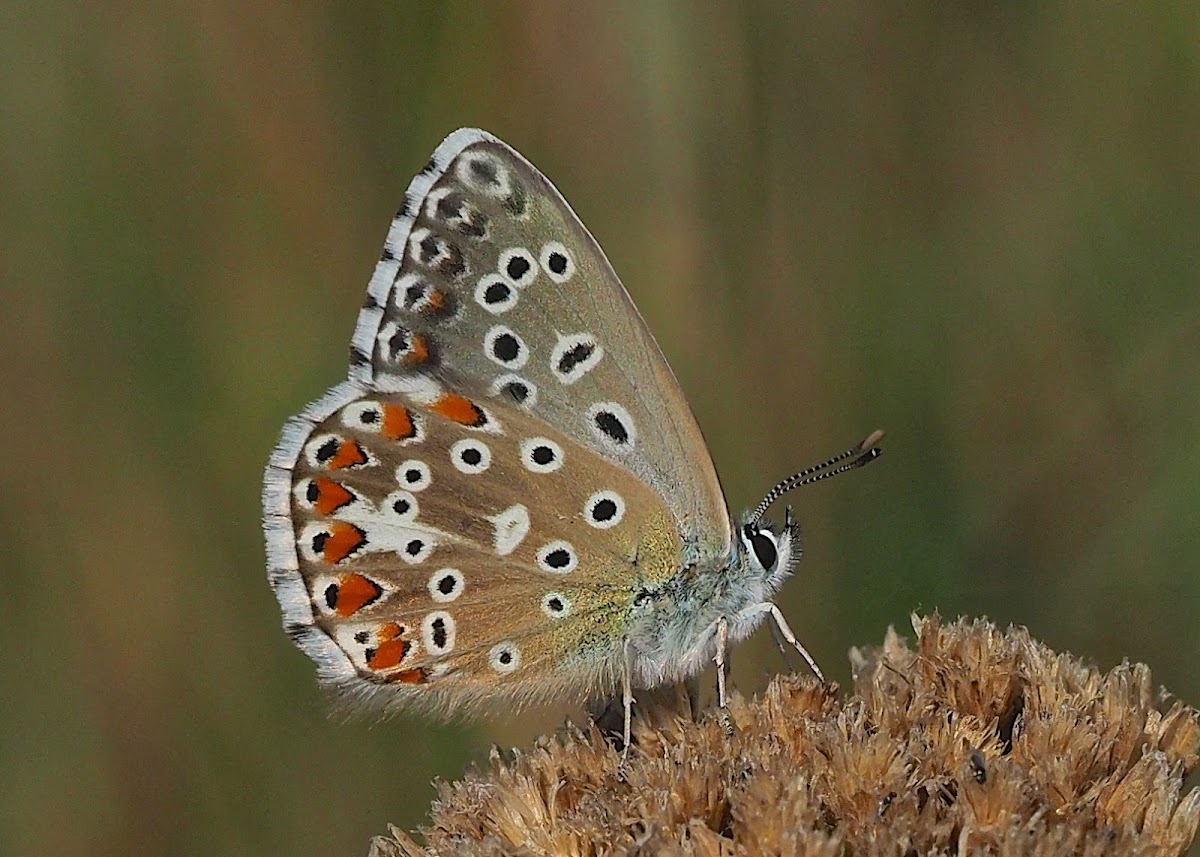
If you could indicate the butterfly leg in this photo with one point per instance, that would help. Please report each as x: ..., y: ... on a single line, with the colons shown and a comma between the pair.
x: 784, y: 651
x: 722, y: 699
x: 627, y: 702
x: 771, y: 610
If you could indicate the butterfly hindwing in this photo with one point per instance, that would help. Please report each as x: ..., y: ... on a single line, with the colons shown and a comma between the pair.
x: 448, y: 561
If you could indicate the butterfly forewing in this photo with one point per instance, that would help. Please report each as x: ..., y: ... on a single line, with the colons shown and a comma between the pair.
x: 490, y: 283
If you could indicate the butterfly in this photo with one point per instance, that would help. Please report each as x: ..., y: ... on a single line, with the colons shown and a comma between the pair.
x: 509, y: 499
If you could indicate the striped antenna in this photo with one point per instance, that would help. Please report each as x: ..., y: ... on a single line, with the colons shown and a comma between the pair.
x: 856, y: 456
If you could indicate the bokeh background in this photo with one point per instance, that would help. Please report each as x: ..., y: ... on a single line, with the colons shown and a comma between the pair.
x: 976, y: 225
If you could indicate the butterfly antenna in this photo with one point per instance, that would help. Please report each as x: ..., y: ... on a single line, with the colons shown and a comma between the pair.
x: 856, y: 456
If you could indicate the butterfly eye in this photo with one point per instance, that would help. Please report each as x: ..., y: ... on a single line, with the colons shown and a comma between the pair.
x: 762, y: 542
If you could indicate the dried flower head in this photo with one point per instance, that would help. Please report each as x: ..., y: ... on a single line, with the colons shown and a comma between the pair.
x: 977, y: 741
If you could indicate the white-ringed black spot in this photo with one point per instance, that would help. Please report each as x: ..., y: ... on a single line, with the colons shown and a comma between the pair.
x: 575, y: 355
x: 556, y: 605
x: 416, y: 549
x: 451, y: 207
x: 322, y: 449
x: 504, y: 657
x: 394, y: 342
x: 398, y: 344
x: 541, y: 455
x: 604, y: 509
x: 519, y: 266
x: 331, y: 543
x: 612, y: 425
x: 557, y: 262
x: 412, y: 293
x: 437, y: 632
x: 327, y: 449
x: 495, y: 294
x: 367, y: 416
x: 414, y: 475
x: 446, y: 584
x: 335, y: 452
x: 470, y: 456
x: 504, y: 346
x: 484, y: 173
x: 436, y: 253
x: 557, y: 557
x: 442, y: 203
x: 366, y: 593
x: 402, y: 504
x: 518, y: 389
x: 324, y: 495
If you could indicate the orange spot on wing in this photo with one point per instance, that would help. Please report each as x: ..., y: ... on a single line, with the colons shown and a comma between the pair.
x: 344, y: 539
x: 398, y: 423
x: 330, y: 496
x: 459, y: 409
x: 388, y: 654
x: 349, y: 454
x: 435, y: 301
x: 418, y: 351
x: 413, y: 676
x: 355, y: 592
x: 390, y: 631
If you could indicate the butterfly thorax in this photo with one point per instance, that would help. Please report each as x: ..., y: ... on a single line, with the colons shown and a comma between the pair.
x: 672, y: 630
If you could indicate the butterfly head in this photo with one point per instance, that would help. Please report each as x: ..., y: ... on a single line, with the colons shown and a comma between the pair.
x: 770, y: 550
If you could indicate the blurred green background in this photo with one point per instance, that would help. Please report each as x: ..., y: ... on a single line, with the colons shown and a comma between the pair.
x: 976, y: 225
